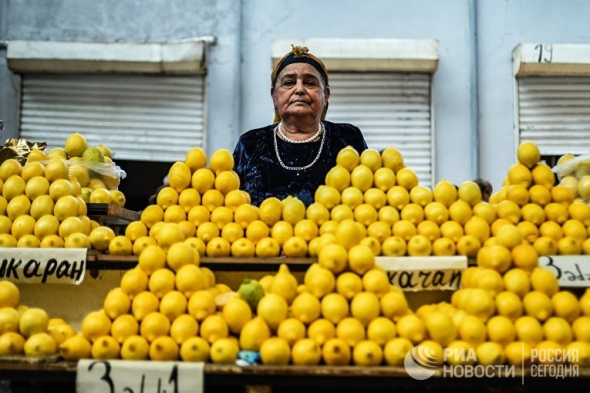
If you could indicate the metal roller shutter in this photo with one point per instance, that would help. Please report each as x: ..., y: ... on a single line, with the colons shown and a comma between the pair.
x: 139, y: 117
x: 391, y: 109
x: 554, y: 112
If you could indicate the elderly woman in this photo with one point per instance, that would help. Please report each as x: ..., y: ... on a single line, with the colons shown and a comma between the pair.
x: 293, y: 155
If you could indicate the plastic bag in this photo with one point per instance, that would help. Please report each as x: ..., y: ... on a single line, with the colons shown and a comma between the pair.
x: 578, y: 167
x: 94, y: 174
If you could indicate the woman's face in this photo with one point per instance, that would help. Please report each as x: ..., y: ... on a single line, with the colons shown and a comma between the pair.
x: 300, y: 92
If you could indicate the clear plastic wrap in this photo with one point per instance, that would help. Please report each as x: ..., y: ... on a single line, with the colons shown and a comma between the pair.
x: 578, y: 167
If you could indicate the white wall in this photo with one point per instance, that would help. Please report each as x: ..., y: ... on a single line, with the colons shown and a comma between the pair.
x: 502, y: 26
x: 475, y: 66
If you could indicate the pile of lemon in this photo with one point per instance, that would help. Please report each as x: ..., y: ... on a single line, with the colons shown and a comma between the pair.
x: 26, y: 330
x: 92, y: 167
x: 41, y: 206
x: 170, y: 308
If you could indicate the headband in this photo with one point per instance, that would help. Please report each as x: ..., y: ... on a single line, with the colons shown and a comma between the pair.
x: 299, y: 54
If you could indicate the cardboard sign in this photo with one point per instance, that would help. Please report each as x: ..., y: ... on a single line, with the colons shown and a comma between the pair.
x: 424, y: 273
x: 43, y: 265
x: 115, y: 376
x: 570, y: 270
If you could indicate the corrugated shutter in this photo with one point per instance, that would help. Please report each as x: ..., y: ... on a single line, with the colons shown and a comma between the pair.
x: 139, y: 117
x: 391, y: 109
x: 554, y: 112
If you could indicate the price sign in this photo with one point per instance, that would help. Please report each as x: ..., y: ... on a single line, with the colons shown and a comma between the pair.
x: 125, y: 376
x: 570, y: 270
x: 424, y: 273
x: 43, y: 265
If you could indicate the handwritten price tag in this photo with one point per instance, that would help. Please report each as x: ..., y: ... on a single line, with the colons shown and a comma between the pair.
x: 125, y: 376
x: 570, y: 270
x: 424, y: 273
x: 43, y: 265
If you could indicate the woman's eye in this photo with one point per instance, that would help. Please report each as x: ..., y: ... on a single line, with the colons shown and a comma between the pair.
x: 288, y: 82
x: 310, y: 82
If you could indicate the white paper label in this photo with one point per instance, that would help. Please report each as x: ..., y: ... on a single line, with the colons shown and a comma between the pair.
x: 424, y: 273
x: 126, y: 376
x: 570, y: 270
x: 43, y: 265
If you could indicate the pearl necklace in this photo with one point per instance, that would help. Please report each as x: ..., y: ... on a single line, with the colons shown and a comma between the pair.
x: 299, y: 168
x: 310, y: 139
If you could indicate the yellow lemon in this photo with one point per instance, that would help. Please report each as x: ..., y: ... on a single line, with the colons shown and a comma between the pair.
x: 40, y: 344
x: 472, y: 330
x: 348, y: 157
x: 123, y: 327
x: 338, y: 177
x: 518, y: 353
x: 163, y: 348
x: 365, y: 307
x: 306, y: 352
x: 227, y: 181
x: 203, y: 180
x: 95, y: 324
x: 214, y: 328
x: 398, y: 197
x: 291, y: 330
x: 201, y: 304
x: 395, y: 351
x: 516, y: 280
x: 348, y: 284
x: 253, y: 334
x: 336, y: 352
x: 196, y: 158
x: 351, y: 331
x: 406, y: 178
x: 538, y: 305
x: 321, y: 330
x: 221, y: 160
x: 384, y: 179
x: 270, y: 211
x: 558, y: 330
x: 361, y: 177
x: 56, y: 169
x: 528, y: 154
x: 367, y: 353
x: 469, y: 192
x: 529, y: 330
x: 544, y: 280
x: 275, y: 351
x: 566, y: 305
x: 272, y: 308
x: 545, y: 245
x: 134, y: 281
x: 500, y: 329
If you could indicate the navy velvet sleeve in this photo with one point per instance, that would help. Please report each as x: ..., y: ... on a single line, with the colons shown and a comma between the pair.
x: 262, y: 176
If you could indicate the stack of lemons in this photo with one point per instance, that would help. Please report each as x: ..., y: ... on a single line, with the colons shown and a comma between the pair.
x: 92, y: 167
x: 164, y: 309
x: 170, y: 308
x: 28, y: 330
x: 396, y: 215
x: 41, y: 206
x: 206, y: 208
x: 574, y: 173
x: 549, y: 217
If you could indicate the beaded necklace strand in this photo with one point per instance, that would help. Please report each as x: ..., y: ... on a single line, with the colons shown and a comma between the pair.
x: 300, y: 168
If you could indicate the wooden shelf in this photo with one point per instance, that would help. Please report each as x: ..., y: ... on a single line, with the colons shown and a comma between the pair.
x: 101, y: 261
x: 345, y: 377
x: 109, y: 214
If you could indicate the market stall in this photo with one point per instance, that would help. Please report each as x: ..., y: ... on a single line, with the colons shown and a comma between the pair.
x: 403, y: 286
